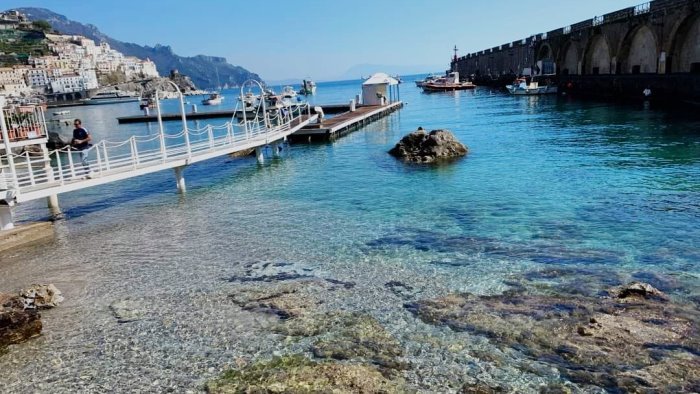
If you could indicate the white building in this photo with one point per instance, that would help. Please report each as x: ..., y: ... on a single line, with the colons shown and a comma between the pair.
x: 67, y: 84
x: 12, y: 81
x: 37, y: 78
x: 378, y: 89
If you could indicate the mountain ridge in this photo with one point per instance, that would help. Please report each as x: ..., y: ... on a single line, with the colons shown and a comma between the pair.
x: 205, y: 71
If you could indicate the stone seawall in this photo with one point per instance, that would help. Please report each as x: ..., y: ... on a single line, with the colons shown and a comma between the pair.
x: 654, y: 43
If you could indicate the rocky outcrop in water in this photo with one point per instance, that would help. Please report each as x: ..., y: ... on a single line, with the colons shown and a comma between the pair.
x: 422, y: 147
x: 632, y: 339
x: 41, y: 296
x: 16, y: 323
x: 298, y: 374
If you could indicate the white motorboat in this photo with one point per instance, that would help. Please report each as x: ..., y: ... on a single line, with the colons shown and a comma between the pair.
x: 61, y: 113
x: 213, y: 99
x: 522, y: 88
x: 111, y: 97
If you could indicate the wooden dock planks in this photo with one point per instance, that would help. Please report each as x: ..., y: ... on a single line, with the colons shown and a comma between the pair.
x: 343, y: 123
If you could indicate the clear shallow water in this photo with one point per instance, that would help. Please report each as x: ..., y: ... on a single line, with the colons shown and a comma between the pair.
x: 609, y: 193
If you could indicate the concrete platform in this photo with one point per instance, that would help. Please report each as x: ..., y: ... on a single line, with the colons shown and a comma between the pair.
x: 25, y: 234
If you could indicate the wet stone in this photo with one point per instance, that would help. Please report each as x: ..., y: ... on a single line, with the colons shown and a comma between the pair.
x: 401, y: 289
x: 298, y: 374
x: 126, y: 311
x: 285, y: 300
x: 604, y: 341
x: 16, y: 323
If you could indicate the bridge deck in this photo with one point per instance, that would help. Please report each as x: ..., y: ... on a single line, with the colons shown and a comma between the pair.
x: 102, y: 171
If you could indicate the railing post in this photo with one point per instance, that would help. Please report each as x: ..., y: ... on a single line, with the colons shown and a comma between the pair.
x: 30, y: 170
x: 99, y: 159
x: 161, y: 128
x: 134, y: 153
x: 229, y: 132
x: 211, y: 136
x: 104, y: 149
x: 60, y: 166
x: 184, y: 122
x: 70, y: 163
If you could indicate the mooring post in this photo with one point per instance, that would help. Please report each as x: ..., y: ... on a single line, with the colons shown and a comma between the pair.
x: 54, y: 208
x: 6, y: 222
x: 275, y: 149
x: 259, y: 155
x: 180, y: 179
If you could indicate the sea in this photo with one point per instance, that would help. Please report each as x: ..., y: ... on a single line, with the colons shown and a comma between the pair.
x: 605, y: 192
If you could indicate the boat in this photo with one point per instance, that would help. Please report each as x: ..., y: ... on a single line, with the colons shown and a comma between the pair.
x: 428, y: 79
x: 213, y: 99
x: 149, y: 102
x: 288, y: 93
x: 521, y: 88
x: 61, y: 113
x: 308, y: 87
x: 111, y: 97
x: 447, y: 84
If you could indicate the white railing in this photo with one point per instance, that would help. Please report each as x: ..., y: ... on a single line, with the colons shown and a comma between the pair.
x: 23, y: 122
x: 642, y: 8
x: 109, y: 157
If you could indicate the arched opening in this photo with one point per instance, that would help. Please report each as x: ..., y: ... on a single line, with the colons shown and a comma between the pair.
x: 569, y: 63
x: 598, y: 56
x: 639, y: 52
x: 545, y: 61
x: 686, y: 46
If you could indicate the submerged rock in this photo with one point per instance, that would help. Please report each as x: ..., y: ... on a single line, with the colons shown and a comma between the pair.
x: 41, y: 296
x: 16, y: 323
x: 298, y: 374
x: 422, y: 147
x: 616, y: 343
x: 127, y: 310
x: 286, y: 299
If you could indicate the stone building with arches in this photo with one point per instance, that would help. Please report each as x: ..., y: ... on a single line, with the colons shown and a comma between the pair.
x: 655, y: 45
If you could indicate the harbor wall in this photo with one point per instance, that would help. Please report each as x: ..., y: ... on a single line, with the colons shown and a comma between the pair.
x: 654, y: 45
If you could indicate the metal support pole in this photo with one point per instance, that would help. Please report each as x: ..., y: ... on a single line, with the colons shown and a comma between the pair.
x: 259, y: 155
x: 184, y: 122
x: 161, y: 129
x: 180, y: 179
x: 275, y: 149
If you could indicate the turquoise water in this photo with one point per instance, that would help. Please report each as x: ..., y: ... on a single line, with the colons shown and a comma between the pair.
x: 609, y: 192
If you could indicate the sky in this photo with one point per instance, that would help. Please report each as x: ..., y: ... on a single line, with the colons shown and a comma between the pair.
x: 320, y: 39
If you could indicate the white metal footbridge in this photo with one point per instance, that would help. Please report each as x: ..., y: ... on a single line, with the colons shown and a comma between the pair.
x: 29, y: 171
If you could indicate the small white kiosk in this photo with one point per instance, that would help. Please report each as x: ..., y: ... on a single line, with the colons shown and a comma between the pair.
x: 380, y: 89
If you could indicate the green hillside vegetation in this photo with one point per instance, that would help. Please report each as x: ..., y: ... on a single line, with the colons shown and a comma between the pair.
x: 17, y: 45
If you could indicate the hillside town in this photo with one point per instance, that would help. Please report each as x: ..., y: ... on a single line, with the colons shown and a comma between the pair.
x: 73, y: 66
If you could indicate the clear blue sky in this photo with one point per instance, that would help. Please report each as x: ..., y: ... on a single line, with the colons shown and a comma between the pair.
x: 324, y: 38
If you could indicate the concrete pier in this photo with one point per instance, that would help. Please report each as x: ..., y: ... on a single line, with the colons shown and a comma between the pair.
x: 180, y: 179
x: 329, y: 128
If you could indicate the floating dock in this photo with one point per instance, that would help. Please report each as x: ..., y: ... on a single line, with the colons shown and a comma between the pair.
x: 328, y: 109
x: 344, y: 123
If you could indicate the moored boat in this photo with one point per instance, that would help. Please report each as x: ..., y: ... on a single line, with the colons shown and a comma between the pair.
x: 111, y: 97
x: 447, y: 84
x: 521, y: 88
x: 213, y: 99
x: 308, y: 87
x: 428, y: 79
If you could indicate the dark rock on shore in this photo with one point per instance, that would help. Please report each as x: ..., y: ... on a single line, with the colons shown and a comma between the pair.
x: 16, y: 323
x: 633, y: 339
x: 298, y: 374
x: 422, y: 147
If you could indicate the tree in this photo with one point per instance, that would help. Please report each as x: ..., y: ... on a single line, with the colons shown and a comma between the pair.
x: 42, y: 25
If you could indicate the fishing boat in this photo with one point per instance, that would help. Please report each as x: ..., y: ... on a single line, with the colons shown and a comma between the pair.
x: 213, y: 99
x: 447, y: 84
x: 111, y: 97
x: 308, y: 87
x: 428, y: 79
x: 521, y: 88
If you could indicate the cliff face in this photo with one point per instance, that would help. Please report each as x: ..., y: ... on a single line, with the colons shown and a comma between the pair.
x: 206, y: 71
